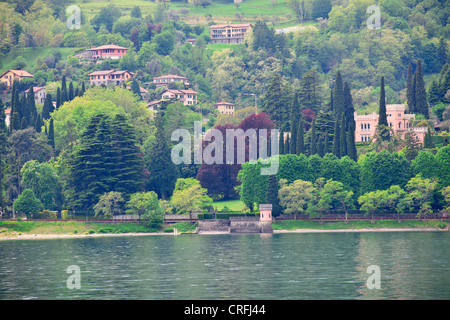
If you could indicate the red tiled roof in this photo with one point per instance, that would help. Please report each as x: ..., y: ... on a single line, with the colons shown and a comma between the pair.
x: 107, y: 46
x: 8, y: 111
x: 20, y: 73
x: 35, y: 89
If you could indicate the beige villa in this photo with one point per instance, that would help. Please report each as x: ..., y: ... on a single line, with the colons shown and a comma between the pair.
x: 224, y: 107
x: 109, y: 77
x: 188, y: 97
x: 229, y: 33
x: 39, y: 94
x: 398, y: 120
x: 164, y: 80
x: 8, y: 77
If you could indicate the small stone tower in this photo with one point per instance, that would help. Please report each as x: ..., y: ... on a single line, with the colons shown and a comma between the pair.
x: 265, y: 212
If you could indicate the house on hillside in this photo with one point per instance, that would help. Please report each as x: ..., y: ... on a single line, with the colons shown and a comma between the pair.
x: 224, y: 107
x: 164, y: 80
x: 398, y: 120
x: 110, y: 51
x: 10, y: 76
x: 108, y: 77
x: 8, y: 116
x: 39, y: 94
x: 188, y: 97
x: 229, y: 33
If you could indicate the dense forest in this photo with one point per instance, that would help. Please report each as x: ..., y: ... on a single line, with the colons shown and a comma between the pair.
x: 307, y: 83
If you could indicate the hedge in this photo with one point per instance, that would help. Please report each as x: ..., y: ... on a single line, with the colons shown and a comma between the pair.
x: 226, y: 215
x: 46, y: 214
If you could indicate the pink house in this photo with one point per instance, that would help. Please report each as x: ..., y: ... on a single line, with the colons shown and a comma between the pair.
x: 398, y: 120
x: 107, y: 77
x: 110, y: 51
x: 188, y: 97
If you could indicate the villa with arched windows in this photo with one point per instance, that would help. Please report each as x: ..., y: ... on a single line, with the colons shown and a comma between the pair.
x: 398, y: 120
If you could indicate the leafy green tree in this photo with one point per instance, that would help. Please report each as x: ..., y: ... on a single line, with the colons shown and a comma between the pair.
x: 253, y: 185
x: 421, y: 190
x: 109, y: 204
x: 295, y: 197
x: 106, y: 17
x: 425, y: 164
x: 370, y: 202
x: 443, y: 160
x: 335, y: 196
x: 140, y: 203
x: 27, y: 203
x: 320, y: 8
x: 165, y: 42
x: 43, y: 180
x: 189, y: 199
x: 136, y: 88
x: 136, y: 12
x: 446, y: 193
x: 395, y: 198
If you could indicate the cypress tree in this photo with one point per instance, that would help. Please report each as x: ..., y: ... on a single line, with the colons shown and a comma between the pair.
x: 38, y: 124
x: 410, y: 89
x: 77, y: 92
x: 421, y: 95
x: 83, y: 88
x: 51, y: 134
x: 272, y: 195
x: 47, y: 108
x: 281, y: 143
x: 3, y: 149
x: 64, y: 96
x: 71, y: 93
x: 23, y: 110
x: 295, y: 114
x: 349, y: 109
x: 300, y: 138
x: 31, y: 106
x: 325, y: 143
x: 136, y: 89
x: 336, y: 139
x: 313, y: 138
x: 287, y: 147
x: 58, y: 98
x: 351, y: 143
x: 331, y: 101
x: 343, y: 139
x: 338, y: 96
x: 15, y: 121
x: 434, y: 93
x: 382, y: 116
x: 442, y: 52
x: 321, y: 146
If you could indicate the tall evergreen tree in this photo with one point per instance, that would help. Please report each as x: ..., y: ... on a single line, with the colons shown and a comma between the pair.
x: 351, y: 143
x: 338, y: 96
x: 272, y: 195
x: 410, y: 89
x: 51, y: 134
x: 38, y: 124
x: 163, y: 172
x: 64, y: 95
x: 276, y: 102
x: 295, y: 115
x: 83, y: 88
x: 136, y: 89
x: 349, y: 109
x: 15, y: 122
x: 421, y: 95
x: 3, y: 150
x: 313, y: 138
x: 382, y: 116
x: 300, y: 138
x: 337, y: 139
x: 58, y: 98
x: 343, y: 138
x: 281, y: 143
x: 287, y: 147
x: 442, y: 52
x: 47, y: 108
x: 31, y: 107
x: 71, y: 94
x: 325, y: 144
x: 321, y: 146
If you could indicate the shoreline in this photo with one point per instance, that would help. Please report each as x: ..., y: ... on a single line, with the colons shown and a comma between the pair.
x: 97, y: 235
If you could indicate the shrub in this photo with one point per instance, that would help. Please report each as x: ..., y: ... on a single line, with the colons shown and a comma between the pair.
x: 442, y: 225
x: 105, y: 230
x: 64, y: 214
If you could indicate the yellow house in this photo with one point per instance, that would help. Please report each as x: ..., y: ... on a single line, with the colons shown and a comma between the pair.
x: 224, y: 107
x: 12, y: 75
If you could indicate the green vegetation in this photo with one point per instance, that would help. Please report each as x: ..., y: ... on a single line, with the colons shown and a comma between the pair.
x: 301, y: 224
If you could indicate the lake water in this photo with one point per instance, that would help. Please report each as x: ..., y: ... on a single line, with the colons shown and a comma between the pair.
x: 413, y: 265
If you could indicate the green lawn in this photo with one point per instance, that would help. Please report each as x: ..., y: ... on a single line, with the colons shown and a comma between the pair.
x: 220, y: 11
x: 30, y: 55
x: 233, y: 205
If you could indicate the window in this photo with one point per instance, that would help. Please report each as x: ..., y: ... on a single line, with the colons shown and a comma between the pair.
x: 368, y: 126
x: 399, y: 125
x: 399, y: 115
